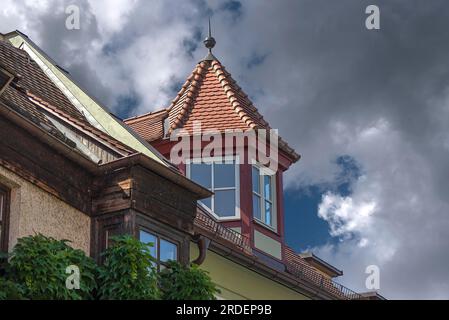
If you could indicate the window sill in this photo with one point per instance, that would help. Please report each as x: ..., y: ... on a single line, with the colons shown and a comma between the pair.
x: 266, y: 226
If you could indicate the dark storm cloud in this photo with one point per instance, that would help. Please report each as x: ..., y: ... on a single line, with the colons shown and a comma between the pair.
x: 332, y: 87
x: 328, y: 83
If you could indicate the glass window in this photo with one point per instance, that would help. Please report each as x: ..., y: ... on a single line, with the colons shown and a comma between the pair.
x: 2, y: 201
x: 4, y: 198
x: 255, y: 175
x: 207, y: 202
x: 202, y: 174
x: 146, y: 237
x: 224, y: 175
x: 267, y: 187
x: 256, y: 207
x: 169, y: 251
x: 222, y: 179
x: 268, y: 213
x: 224, y: 205
x: 4, y: 79
x: 163, y: 250
x: 263, y: 197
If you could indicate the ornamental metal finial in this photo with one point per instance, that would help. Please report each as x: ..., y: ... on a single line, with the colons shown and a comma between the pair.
x: 209, y: 42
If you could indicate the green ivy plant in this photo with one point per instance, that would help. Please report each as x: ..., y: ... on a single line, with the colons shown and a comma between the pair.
x: 128, y: 272
x: 38, y: 264
x: 179, y: 282
x: 37, y: 270
x: 10, y: 290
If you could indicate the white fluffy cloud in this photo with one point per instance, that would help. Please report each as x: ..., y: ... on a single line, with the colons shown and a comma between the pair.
x: 345, y: 215
x: 330, y: 86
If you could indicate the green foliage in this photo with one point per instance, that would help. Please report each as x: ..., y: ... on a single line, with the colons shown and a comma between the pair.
x: 37, y: 270
x: 127, y: 272
x: 38, y: 264
x: 179, y: 282
x: 10, y: 290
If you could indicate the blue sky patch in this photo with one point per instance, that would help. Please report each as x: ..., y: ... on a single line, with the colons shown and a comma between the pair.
x: 303, y: 228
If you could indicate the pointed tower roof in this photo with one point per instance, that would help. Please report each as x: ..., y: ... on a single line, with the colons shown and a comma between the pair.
x: 210, y: 95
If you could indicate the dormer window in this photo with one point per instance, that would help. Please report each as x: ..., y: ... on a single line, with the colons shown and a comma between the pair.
x: 222, y: 178
x: 5, y: 78
x: 264, y: 197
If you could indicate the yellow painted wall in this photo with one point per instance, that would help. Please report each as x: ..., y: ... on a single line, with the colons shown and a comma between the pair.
x: 33, y: 210
x: 237, y: 282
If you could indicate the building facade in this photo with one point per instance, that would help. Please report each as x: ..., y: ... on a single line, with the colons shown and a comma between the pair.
x: 71, y: 170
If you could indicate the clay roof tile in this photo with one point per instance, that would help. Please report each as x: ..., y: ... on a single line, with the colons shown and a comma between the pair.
x: 212, y: 96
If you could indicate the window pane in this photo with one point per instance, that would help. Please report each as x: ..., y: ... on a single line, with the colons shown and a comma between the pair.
x: 224, y: 203
x: 224, y: 175
x: 201, y: 174
x: 3, y: 79
x: 2, y: 204
x: 268, y: 213
x: 207, y: 202
x: 2, y: 207
x: 146, y: 237
x: 256, y: 177
x: 256, y: 207
x: 267, y: 187
x: 169, y: 251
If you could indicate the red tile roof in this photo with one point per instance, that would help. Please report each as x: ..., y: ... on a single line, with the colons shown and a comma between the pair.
x: 299, y: 267
x: 210, y: 95
x: 149, y: 126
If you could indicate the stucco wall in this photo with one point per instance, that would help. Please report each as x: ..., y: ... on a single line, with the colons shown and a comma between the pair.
x: 35, y: 211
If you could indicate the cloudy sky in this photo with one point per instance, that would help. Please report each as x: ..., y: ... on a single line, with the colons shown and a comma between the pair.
x: 367, y: 109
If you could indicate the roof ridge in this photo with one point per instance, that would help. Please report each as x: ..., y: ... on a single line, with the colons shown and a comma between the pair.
x: 191, y: 89
x: 143, y: 116
x: 227, y: 82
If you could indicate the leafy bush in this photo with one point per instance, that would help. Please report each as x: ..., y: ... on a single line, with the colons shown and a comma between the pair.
x: 10, y: 290
x: 37, y: 270
x: 127, y: 272
x: 38, y: 264
x: 179, y: 282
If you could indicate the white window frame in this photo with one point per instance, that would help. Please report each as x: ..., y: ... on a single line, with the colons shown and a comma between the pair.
x: 261, y: 195
x: 220, y: 160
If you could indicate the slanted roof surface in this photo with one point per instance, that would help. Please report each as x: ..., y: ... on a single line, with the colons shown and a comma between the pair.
x: 212, y: 97
x: 34, y: 79
x: 33, y: 95
x: 84, y: 102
